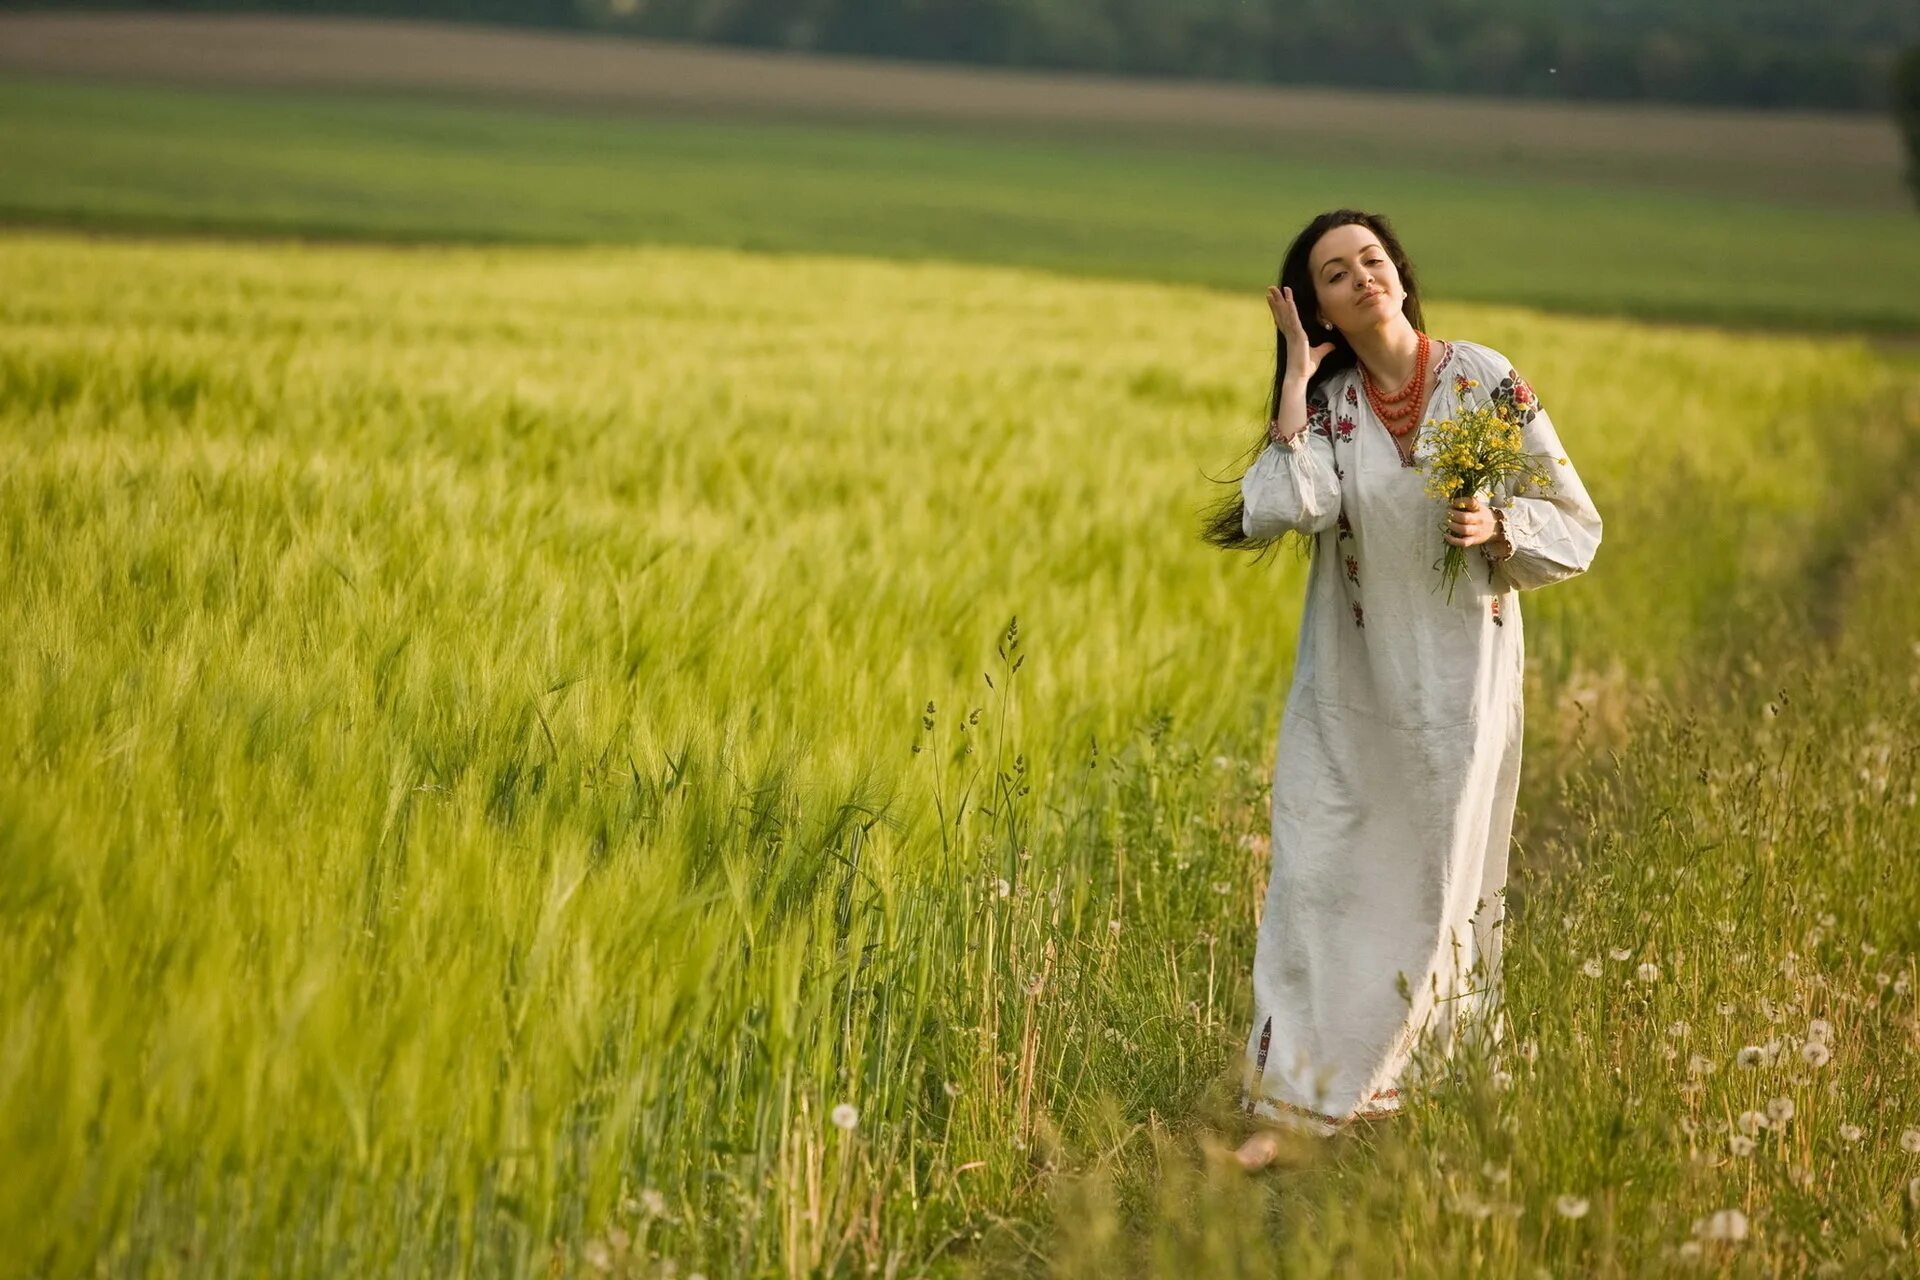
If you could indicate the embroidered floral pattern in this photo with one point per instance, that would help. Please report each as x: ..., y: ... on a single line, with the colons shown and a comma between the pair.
x: 1516, y: 394
x: 1461, y: 382
x: 1346, y: 525
x: 1368, y: 1110
x: 1319, y: 418
x: 1353, y: 397
x: 1359, y: 615
x: 1344, y: 426
x: 1353, y: 571
x: 1498, y: 621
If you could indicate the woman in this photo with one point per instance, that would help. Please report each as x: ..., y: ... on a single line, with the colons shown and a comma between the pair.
x: 1399, y: 750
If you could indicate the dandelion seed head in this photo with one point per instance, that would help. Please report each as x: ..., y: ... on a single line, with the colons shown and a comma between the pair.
x: 845, y: 1116
x: 1751, y: 1122
x: 1750, y: 1056
x: 1619, y: 953
x: 1723, y: 1224
x: 1851, y: 1133
x: 1816, y: 1053
x: 1910, y: 1141
x: 1591, y: 968
x: 1820, y: 1029
x: 1780, y: 1110
x: 1648, y: 971
x: 1740, y: 1145
x: 1570, y: 1206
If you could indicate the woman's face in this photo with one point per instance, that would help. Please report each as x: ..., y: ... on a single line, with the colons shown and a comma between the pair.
x: 1354, y: 282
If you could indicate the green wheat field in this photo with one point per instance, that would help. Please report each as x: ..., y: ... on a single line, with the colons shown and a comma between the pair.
x: 658, y: 759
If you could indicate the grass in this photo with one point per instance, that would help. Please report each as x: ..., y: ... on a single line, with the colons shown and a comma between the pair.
x: 1487, y: 229
x: 506, y: 741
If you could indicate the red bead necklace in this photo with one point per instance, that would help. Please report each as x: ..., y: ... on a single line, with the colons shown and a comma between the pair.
x: 1399, y: 413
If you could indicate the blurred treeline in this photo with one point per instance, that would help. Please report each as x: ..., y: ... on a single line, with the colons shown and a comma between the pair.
x: 1763, y: 53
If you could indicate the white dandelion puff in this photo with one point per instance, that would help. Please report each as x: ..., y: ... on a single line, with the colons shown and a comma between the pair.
x: 1723, y: 1224
x: 1910, y: 1141
x: 1648, y: 972
x: 654, y: 1203
x: 1568, y: 1206
x: 1851, y: 1133
x: 1816, y: 1053
x: 1820, y: 1029
x: 1751, y: 1122
x: 1740, y: 1145
x: 1678, y: 1030
x: 1750, y: 1056
x: 1591, y: 968
x: 1001, y: 888
x: 1620, y: 953
x: 845, y: 1116
x: 1780, y: 1110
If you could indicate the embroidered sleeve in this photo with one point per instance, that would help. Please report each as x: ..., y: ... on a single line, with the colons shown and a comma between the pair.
x: 1293, y: 486
x: 1552, y: 531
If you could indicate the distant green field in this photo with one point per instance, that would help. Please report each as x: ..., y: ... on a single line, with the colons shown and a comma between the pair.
x: 467, y: 807
x: 386, y: 168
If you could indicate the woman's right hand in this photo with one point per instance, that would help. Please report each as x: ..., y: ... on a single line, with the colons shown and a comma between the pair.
x: 1302, y: 358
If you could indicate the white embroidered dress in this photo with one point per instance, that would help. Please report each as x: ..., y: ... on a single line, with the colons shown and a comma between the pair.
x: 1399, y: 750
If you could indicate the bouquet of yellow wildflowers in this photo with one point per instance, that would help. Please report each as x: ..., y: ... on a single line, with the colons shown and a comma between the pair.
x: 1467, y: 455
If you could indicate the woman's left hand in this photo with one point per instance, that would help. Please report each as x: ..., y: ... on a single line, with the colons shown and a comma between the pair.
x: 1469, y: 523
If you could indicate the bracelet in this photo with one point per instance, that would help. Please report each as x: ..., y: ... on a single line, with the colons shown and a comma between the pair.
x: 1273, y: 434
x: 1500, y: 536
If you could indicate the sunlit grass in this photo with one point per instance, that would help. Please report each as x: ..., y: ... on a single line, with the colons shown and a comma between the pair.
x: 464, y: 803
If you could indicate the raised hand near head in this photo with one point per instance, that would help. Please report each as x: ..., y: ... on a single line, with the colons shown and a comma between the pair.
x: 1302, y: 358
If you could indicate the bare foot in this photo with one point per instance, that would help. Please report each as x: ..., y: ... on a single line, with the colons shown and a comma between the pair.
x: 1257, y: 1152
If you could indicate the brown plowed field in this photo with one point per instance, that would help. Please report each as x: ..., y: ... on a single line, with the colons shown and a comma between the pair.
x: 1842, y: 158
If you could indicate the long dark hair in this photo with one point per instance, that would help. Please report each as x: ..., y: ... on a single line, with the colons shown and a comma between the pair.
x: 1222, y: 523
